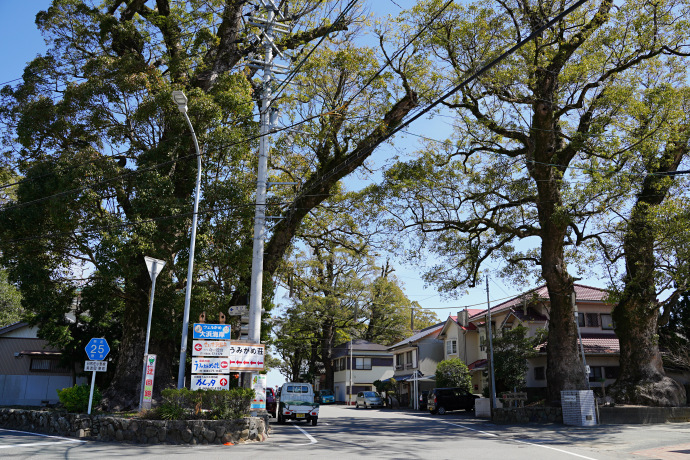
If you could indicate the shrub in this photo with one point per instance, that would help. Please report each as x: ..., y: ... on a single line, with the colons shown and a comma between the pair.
x: 453, y: 372
x: 76, y: 398
x: 205, y: 404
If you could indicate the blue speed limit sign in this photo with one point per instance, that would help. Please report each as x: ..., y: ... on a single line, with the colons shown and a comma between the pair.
x: 97, y: 349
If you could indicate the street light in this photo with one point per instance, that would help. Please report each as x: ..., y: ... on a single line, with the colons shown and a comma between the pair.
x: 181, y: 100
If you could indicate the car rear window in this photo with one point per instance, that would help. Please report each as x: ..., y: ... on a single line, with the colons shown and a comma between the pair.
x: 297, y: 389
x: 370, y: 394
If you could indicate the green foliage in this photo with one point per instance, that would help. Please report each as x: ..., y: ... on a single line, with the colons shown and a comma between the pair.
x: 511, y: 350
x: 10, y: 301
x: 181, y: 404
x: 453, y: 372
x: 76, y: 398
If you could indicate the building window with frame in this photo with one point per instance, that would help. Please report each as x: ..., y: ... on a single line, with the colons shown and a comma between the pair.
x: 592, y: 319
x: 595, y: 373
x: 399, y: 359
x: 611, y: 372
x: 482, y: 342
x: 408, y: 357
x: 607, y: 322
x: 540, y: 373
x: 363, y: 363
x: 451, y: 347
x: 46, y: 365
x: 581, y: 319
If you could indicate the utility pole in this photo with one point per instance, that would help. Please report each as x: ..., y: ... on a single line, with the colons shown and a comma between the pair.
x: 489, y: 333
x: 269, y: 27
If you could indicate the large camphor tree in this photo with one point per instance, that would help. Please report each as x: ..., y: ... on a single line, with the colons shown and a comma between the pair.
x: 109, y: 163
x: 512, y: 182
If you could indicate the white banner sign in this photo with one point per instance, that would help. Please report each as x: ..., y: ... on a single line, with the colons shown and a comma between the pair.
x: 246, y: 357
x: 210, y: 348
x: 95, y: 366
x: 210, y: 365
x: 210, y: 382
x: 259, y: 387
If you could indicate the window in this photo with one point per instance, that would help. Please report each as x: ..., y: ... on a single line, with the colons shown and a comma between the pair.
x: 581, y: 319
x: 46, y: 365
x: 408, y: 357
x: 363, y: 363
x: 482, y: 342
x: 592, y: 319
x: 595, y: 373
x: 606, y: 321
x: 343, y: 364
x: 611, y: 372
x: 336, y: 365
x: 539, y: 373
x: 451, y: 347
x: 399, y: 360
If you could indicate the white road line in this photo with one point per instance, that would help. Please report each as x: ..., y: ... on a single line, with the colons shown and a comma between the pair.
x: 33, y: 444
x: 62, y: 440
x: 510, y: 440
x: 310, y: 437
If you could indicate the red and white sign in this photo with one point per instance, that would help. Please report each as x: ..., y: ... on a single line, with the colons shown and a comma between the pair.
x: 210, y: 347
x: 246, y: 357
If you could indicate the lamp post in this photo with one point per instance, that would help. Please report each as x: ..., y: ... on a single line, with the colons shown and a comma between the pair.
x: 154, y: 266
x: 181, y: 101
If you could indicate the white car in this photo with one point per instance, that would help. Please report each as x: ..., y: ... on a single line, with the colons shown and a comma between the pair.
x: 368, y: 399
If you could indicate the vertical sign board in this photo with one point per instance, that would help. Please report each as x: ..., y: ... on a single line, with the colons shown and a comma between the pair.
x: 148, y: 381
x: 259, y: 387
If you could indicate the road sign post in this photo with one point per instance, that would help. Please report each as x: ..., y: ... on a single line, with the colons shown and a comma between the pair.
x: 97, y: 349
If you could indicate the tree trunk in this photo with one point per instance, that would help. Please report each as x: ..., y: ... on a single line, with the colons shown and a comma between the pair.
x: 642, y: 379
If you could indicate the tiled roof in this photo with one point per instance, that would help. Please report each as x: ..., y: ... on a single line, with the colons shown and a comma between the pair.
x: 595, y: 344
x: 478, y: 364
x: 582, y: 292
x: 429, y: 331
x: 470, y: 327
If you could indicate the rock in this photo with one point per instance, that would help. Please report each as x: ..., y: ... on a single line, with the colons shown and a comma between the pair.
x: 187, y: 435
x: 209, y: 435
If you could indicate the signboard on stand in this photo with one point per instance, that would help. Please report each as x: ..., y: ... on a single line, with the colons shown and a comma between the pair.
x: 210, y: 382
x: 148, y: 381
x: 246, y: 358
x: 95, y: 366
x: 259, y: 387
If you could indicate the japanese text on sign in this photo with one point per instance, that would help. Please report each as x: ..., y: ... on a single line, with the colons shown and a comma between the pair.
x: 246, y: 357
x: 95, y: 366
x: 211, y: 331
x: 210, y: 365
x: 210, y: 347
x: 210, y: 382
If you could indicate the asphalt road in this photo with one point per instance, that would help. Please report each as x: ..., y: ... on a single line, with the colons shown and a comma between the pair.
x: 344, y: 433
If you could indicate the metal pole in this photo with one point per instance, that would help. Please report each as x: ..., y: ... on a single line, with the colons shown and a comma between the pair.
x: 349, y: 393
x: 93, y: 383
x: 491, y: 347
x: 146, y: 347
x: 190, y: 267
x: 573, y: 299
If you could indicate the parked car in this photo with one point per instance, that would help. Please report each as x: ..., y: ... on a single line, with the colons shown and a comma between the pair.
x: 368, y: 399
x: 423, y: 398
x: 442, y: 400
x: 326, y: 397
x: 271, y: 404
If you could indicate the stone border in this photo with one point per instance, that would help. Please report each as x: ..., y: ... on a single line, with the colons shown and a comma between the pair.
x: 141, y: 431
x: 623, y: 415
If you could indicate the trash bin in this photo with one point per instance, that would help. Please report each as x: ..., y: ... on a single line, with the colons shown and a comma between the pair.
x: 578, y: 407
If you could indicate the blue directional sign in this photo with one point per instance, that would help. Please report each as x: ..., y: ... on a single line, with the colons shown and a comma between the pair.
x: 97, y: 349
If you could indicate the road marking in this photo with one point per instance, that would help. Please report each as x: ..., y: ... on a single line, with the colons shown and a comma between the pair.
x: 310, y: 437
x: 509, y: 440
x: 33, y: 444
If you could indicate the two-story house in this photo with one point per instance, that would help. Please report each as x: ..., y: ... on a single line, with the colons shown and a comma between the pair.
x: 415, y: 361
x: 465, y: 336
x: 370, y: 362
